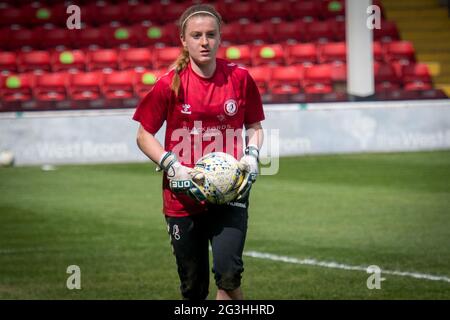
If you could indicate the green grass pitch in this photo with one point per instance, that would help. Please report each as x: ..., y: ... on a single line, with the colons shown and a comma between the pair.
x: 390, y: 210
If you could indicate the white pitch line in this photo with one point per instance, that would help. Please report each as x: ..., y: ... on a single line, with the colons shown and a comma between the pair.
x: 336, y: 265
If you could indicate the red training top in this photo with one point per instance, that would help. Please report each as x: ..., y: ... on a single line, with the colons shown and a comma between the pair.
x: 208, y: 115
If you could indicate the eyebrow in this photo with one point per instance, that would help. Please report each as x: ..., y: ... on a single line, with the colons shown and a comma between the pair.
x: 209, y: 31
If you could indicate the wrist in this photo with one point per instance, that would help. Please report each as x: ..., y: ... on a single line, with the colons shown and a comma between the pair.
x: 252, y: 150
x: 168, y: 160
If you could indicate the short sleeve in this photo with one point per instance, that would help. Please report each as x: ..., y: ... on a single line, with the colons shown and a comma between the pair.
x: 253, y: 105
x: 151, y: 111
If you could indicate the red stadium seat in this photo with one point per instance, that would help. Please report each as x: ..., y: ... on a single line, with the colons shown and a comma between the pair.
x: 137, y: 58
x: 17, y: 87
x: 140, y: 12
x: 377, y: 51
x: 385, y: 77
x: 36, y: 61
x: 417, y: 72
x: 104, y: 59
x: 305, y: 53
x: 118, y: 85
x: 332, y: 9
x: 164, y: 57
x: 335, y: 52
x: 417, y: 86
x: 233, y: 11
x: 101, y: 12
x: 172, y: 11
x: 58, y: 38
x: 338, y: 28
x: 286, y: 80
x: 388, y: 32
x: 262, y: 76
x: 25, y: 39
x: 257, y: 32
x: 338, y: 73
x: 85, y: 86
x: 154, y: 34
x: 121, y: 36
x: 401, y: 51
x: 240, y: 54
x: 268, y: 54
x: 69, y: 60
x: 144, y: 82
x: 319, y: 31
x: 10, y: 15
x: 305, y: 10
x: 89, y: 37
x: 397, y: 94
x: 43, y: 14
x: 271, y: 9
x: 317, y: 79
x: 8, y: 62
x: 51, y: 87
x: 231, y: 33
x: 289, y: 31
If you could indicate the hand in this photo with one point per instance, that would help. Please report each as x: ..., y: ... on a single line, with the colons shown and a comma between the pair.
x: 179, y: 176
x: 249, y: 165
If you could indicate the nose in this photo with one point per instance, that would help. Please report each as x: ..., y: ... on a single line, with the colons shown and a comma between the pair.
x: 204, y: 41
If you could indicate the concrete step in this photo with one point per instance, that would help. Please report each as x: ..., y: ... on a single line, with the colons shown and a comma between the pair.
x: 443, y: 57
x: 432, y: 46
x: 425, y: 25
x: 426, y: 36
x: 417, y: 14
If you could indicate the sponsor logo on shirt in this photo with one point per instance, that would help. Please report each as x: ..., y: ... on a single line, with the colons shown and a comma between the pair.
x: 230, y: 107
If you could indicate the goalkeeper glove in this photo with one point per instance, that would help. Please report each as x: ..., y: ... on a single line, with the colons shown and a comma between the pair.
x: 249, y: 165
x: 180, y: 177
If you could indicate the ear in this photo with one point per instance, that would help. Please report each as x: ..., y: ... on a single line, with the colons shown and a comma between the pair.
x: 183, y: 41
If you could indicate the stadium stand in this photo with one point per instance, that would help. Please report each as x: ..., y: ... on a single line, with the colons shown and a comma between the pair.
x: 295, y: 50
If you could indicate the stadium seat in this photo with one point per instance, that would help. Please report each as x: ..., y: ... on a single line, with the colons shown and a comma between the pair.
x: 305, y: 53
x: 377, y: 51
x: 397, y: 94
x: 272, y: 54
x: 172, y: 11
x: 118, y: 85
x: 51, y: 87
x: 286, y: 79
x: 417, y: 72
x: 385, y: 77
x: 290, y: 32
x: 144, y: 81
x: 8, y: 63
x: 40, y: 13
x: 388, y: 32
x: 56, y: 38
x: 103, y: 59
x: 332, y: 9
x: 85, y: 86
x: 433, y: 94
x: 25, y: 39
x: 89, y: 37
x: 417, y: 86
x: 262, y: 76
x: 305, y: 10
x: 231, y: 33
x: 137, y: 58
x: 10, y: 15
x: 334, y: 52
x: 319, y: 31
x: 17, y: 87
x: 273, y: 9
x: 144, y: 12
x: 233, y: 11
x: 36, y: 61
x: 338, y: 73
x: 317, y: 79
x: 68, y: 60
x: 101, y: 12
x: 240, y: 54
x: 401, y: 51
x: 257, y: 33
x: 338, y: 29
x: 121, y: 36
x: 159, y: 35
x: 164, y: 57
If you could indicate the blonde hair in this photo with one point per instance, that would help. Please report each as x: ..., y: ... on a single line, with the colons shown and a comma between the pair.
x: 183, y: 59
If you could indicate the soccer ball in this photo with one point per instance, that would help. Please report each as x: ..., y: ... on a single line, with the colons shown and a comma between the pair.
x: 220, y: 177
x: 6, y: 158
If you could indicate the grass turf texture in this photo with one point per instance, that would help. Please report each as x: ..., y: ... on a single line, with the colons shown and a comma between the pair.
x: 391, y: 210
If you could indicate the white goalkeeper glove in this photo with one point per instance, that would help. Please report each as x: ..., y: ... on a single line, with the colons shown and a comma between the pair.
x: 249, y: 165
x: 180, y: 177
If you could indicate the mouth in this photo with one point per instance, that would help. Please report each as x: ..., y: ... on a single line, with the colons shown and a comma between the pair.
x: 205, y: 52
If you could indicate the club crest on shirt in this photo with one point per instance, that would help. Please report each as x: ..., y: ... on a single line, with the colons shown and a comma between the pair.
x: 185, y: 108
x: 230, y: 107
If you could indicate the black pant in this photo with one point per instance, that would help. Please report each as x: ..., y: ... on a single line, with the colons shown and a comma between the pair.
x: 223, y: 226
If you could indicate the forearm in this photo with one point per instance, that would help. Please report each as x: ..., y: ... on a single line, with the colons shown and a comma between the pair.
x: 149, y: 145
x: 255, y: 135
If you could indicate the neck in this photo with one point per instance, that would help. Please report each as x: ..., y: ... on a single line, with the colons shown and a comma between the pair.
x: 206, y: 70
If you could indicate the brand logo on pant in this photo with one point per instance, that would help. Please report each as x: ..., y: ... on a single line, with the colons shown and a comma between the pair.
x: 176, y: 232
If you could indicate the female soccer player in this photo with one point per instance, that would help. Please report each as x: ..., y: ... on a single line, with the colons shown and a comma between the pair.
x: 206, y: 102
